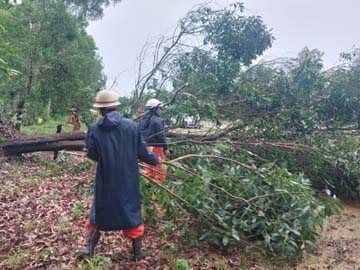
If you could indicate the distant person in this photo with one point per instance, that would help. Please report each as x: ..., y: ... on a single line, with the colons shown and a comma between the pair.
x: 74, y: 119
x: 116, y: 144
x: 153, y: 131
x: 138, y: 113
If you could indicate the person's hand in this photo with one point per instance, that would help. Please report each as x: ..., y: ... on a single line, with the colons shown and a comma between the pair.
x: 167, y: 152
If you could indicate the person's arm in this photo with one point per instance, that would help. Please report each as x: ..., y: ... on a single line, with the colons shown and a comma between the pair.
x: 92, y: 152
x: 145, y: 155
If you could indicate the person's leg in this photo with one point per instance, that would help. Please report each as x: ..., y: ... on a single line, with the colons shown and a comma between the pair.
x: 160, y: 169
x: 136, y: 235
x: 93, y: 235
x: 148, y: 169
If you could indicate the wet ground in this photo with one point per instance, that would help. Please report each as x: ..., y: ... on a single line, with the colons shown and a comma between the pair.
x: 44, y: 206
x: 339, y: 243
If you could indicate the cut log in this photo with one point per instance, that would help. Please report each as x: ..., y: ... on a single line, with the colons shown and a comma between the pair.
x: 56, y: 142
x: 55, y: 146
x: 74, y: 136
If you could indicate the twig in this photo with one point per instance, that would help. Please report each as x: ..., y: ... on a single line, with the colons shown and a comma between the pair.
x: 250, y: 168
x: 176, y: 92
x: 210, y: 221
x: 273, y: 194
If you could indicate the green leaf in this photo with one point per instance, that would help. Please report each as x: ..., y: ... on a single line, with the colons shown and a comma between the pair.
x: 235, y: 234
x: 267, y: 238
x: 225, y: 241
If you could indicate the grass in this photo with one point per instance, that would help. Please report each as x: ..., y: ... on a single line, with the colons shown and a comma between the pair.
x: 49, y: 127
x: 182, y: 264
x: 98, y: 263
x: 29, y: 226
x: 77, y: 211
x: 45, y: 199
x: 19, y: 259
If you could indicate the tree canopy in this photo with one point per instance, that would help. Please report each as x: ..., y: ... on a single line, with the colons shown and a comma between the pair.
x: 56, y: 59
x: 91, y: 9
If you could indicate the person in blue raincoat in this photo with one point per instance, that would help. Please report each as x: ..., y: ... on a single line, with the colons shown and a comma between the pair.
x: 116, y: 144
x: 152, y: 128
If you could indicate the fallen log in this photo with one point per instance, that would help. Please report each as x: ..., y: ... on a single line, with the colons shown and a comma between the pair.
x: 74, y: 136
x: 56, y: 146
x: 56, y: 142
x: 75, y: 141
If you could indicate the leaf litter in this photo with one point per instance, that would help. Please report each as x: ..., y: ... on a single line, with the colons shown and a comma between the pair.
x: 41, y: 227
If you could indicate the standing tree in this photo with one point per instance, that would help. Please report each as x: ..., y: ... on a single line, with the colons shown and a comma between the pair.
x: 57, y: 59
x: 230, y: 41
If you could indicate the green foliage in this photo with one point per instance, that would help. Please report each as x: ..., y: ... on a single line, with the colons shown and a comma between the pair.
x: 77, y: 210
x: 343, y: 102
x: 88, y: 117
x: 92, y: 9
x: 57, y: 60
x: 83, y: 166
x: 47, y: 253
x: 342, y: 153
x: 148, y: 212
x: 233, y: 35
x: 284, y: 99
x: 267, y: 204
x: 6, y: 71
x: 98, y: 263
x: 231, y: 40
x: 182, y: 264
x: 330, y: 161
x: 84, y: 187
x: 18, y: 260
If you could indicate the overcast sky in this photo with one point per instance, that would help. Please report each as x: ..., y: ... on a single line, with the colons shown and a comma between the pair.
x: 332, y: 26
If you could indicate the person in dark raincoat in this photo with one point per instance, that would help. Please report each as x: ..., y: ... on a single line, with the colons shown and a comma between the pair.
x: 152, y: 128
x: 116, y: 144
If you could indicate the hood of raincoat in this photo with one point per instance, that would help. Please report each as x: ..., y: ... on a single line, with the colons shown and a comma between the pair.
x: 110, y: 120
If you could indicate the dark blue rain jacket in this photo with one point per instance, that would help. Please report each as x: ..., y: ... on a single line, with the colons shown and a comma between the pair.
x: 152, y: 128
x: 116, y: 144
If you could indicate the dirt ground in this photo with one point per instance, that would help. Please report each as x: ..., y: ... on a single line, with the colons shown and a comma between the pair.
x: 339, y: 243
x: 42, y: 224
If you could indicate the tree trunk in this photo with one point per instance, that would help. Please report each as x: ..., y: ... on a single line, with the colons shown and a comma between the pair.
x: 56, y: 146
x: 29, y: 85
x: 75, y: 141
x: 56, y: 142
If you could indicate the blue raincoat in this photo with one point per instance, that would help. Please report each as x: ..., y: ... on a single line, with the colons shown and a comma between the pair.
x: 116, y: 144
x: 152, y: 128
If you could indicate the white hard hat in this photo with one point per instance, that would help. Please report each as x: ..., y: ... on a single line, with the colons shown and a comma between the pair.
x: 153, y: 103
x: 106, y: 98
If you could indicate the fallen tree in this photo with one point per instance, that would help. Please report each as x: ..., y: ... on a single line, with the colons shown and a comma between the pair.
x: 238, y: 188
x: 328, y: 167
